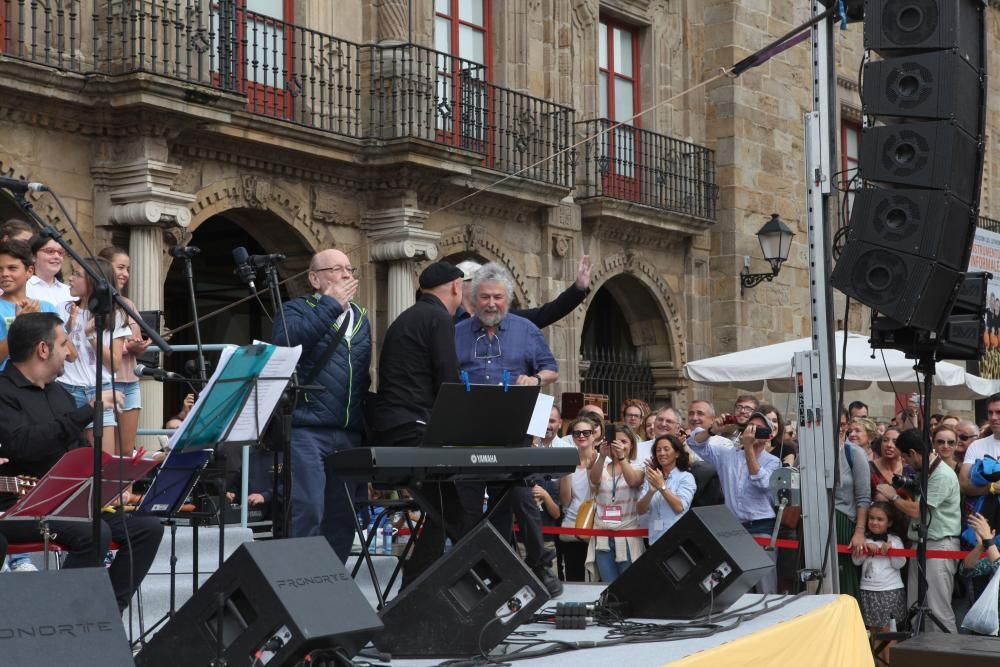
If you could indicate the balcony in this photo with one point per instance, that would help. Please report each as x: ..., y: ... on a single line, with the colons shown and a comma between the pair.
x: 636, y: 166
x: 373, y: 93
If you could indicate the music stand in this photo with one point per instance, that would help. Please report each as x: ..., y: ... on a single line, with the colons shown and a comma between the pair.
x: 66, y: 491
x: 461, y: 411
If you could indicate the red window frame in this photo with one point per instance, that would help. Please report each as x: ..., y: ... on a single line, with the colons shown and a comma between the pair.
x: 265, y: 99
x: 617, y: 184
x: 454, y: 136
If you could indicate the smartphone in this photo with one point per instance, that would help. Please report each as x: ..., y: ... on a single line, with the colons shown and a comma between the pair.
x: 609, y: 432
x: 763, y: 433
x: 730, y: 419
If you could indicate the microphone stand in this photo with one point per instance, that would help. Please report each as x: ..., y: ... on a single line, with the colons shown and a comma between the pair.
x: 104, y: 297
x: 186, y: 253
x: 288, y: 403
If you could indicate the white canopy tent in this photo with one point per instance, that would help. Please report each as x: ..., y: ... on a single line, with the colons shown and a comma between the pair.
x: 771, y: 365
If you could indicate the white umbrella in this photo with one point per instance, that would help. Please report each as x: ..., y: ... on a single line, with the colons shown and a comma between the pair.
x: 772, y: 365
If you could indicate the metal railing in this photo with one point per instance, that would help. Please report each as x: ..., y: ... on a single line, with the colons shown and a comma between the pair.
x: 618, y: 374
x: 644, y: 167
x: 286, y: 71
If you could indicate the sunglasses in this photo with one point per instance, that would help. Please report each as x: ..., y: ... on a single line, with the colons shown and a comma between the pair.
x: 966, y: 438
x: 586, y: 433
x: 941, y: 441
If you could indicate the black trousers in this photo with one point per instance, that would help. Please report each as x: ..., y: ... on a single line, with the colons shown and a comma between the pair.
x: 572, y: 559
x: 519, y: 502
x: 138, y: 538
x: 444, y: 515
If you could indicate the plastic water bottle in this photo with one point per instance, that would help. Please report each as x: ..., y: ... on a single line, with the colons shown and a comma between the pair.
x: 373, y: 545
x: 387, y: 537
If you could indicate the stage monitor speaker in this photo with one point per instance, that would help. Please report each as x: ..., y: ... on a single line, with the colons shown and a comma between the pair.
x: 64, y: 617
x: 901, y: 26
x: 465, y: 604
x: 904, y: 287
x: 282, y: 599
x: 703, y: 563
x: 928, y: 223
x: 936, y: 154
x: 934, y: 86
x: 935, y: 649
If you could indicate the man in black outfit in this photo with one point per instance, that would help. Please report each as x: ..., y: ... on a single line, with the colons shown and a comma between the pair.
x: 418, y: 354
x: 40, y: 423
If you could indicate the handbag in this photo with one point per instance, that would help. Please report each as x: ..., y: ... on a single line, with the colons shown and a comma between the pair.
x: 585, y: 515
x: 983, y: 618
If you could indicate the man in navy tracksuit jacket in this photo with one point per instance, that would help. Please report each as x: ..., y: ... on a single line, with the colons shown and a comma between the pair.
x: 329, y: 420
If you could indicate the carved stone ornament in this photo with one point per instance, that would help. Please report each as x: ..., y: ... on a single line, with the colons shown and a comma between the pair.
x: 472, y: 234
x: 561, y: 245
x: 256, y: 191
x: 328, y: 209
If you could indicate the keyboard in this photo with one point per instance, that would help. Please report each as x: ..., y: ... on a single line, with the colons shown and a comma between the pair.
x: 403, y: 466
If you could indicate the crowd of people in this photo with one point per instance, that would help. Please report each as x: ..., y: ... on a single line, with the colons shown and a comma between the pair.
x: 640, y: 468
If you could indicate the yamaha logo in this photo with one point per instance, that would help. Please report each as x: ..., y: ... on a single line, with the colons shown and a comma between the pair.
x: 483, y: 458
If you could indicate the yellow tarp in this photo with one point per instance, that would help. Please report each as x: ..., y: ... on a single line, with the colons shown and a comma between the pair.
x: 831, y: 636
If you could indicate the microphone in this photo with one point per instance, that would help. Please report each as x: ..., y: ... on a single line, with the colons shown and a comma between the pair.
x: 17, y: 185
x: 184, y: 252
x: 260, y: 261
x: 158, y: 374
x: 244, y: 270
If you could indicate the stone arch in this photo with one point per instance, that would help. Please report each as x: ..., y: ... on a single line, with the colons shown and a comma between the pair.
x: 249, y: 191
x: 666, y: 359
x: 473, y: 238
x: 43, y: 207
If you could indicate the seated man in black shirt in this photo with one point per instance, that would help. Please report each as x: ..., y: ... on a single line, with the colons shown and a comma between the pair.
x: 41, y: 423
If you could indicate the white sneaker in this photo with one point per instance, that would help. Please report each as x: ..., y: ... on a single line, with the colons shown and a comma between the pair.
x: 24, y: 565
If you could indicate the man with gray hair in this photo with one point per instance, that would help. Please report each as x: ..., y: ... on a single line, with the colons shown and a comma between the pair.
x: 494, y: 347
x: 544, y: 315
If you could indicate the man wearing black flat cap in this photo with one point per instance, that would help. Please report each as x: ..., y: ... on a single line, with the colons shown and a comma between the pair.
x: 418, y: 354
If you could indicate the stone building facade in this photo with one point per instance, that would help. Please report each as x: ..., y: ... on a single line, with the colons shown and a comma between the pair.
x: 293, y: 125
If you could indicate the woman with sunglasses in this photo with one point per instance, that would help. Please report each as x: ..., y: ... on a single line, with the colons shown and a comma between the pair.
x: 574, y: 489
x: 945, y: 441
x: 619, y: 487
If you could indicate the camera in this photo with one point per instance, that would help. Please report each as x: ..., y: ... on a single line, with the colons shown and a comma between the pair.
x: 910, y: 483
x: 763, y: 433
x: 730, y: 419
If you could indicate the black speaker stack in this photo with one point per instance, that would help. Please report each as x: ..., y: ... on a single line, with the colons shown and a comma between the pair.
x: 913, y: 224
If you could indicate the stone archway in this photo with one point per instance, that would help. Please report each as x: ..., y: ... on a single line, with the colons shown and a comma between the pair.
x: 472, y: 239
x: 651, y: 333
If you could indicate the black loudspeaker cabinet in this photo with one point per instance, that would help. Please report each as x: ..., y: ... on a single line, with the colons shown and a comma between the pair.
x: 906, y: 288
x: 928, y: 223
x: 933, y: 86
x: 704, y: 563
x: 898, y: 26
x: 466, y: 603
x: 936, y: 154
x: 66, y: 617
x: 283, y: 597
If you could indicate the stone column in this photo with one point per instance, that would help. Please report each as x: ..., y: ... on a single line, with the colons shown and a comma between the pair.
x: 397, y: 236
x: 138, y: 194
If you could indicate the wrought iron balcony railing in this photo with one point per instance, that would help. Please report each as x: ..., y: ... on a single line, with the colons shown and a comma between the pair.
x: 644, y: 167
x: 299, y: 75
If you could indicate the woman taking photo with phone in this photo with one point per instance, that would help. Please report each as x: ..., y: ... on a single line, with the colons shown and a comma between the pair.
x: 618, y: 485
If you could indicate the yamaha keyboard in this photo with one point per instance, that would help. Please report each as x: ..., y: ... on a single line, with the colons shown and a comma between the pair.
x: 403, y: 466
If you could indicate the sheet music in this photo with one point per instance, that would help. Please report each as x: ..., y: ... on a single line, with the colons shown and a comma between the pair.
x: 540, y: 415
x: 253, y: 418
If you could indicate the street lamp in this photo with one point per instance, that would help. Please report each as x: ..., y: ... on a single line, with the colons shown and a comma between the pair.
x: 775, y: 242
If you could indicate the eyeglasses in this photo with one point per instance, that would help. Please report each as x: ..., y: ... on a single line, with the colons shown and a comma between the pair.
x: 942, y: 441
x: 744, y: 408
x: 667, y: 421
x: 966, y: 438
x: 585, y: 433
x: 486, y: 351
x: 633, y: 415
x: 53, y: 251
x: 339, y: 269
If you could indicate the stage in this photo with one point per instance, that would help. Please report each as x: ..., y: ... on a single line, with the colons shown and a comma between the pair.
x: 813, y: 630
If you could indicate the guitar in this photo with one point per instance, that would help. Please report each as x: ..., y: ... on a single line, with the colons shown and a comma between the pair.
x: 18, y: 486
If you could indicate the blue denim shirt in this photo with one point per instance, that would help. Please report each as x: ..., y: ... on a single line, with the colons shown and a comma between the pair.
x: 517, y: 347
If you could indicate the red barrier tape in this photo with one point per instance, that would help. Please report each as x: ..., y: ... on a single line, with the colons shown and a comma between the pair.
x: 763, y: 541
